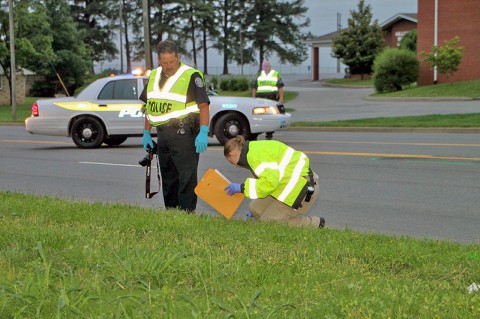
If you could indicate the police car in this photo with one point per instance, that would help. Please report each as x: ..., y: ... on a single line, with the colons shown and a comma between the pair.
x: 108, y: 111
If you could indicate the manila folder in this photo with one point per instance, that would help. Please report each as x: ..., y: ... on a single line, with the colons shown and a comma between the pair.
x: 211, y: 190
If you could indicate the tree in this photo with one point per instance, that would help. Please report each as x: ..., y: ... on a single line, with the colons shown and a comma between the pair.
x: 265, y: 27
x: 166, y: 22
x: 32, y: 32
x: 447, y: 58
x: 409, y: 41
x: 94, y: 21
x: 209, y: 31
x: 228, y: 15
x: 196, y: 17
x: 72, y: 57
x: 274, y: 27
x: 359, y: 44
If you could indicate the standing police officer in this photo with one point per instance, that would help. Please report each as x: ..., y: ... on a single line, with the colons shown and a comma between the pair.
x: 177, y: 105
x: 269, y: 85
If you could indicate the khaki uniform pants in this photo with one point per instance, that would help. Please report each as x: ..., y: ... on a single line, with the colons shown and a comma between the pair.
x: 272, y: 210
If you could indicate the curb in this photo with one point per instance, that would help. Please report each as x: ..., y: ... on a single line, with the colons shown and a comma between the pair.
x: 12, y: 123
x: 457, y: 130
x: 418, y: 99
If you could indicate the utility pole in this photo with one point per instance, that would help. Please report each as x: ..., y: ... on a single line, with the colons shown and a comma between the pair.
x: 339, y: 27
x: 241, y: 50
x: 435, y: 41
x: 121, y: 36
x: 146, y: 35
x: 13, y: 73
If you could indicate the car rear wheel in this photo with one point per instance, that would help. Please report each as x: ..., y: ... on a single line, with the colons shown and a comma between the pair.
x: 88, y: 132
x: 115, y: 140
x: 230, y: 125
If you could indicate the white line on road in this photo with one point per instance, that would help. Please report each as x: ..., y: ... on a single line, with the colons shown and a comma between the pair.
x: 109, y: 164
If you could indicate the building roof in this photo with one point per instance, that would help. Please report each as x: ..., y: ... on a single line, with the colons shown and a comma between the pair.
x: 23, y: 71
x: 326, y: 39
x: 399, y: 16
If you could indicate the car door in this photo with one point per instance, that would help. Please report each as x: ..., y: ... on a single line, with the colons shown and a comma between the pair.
x: 120, y: 107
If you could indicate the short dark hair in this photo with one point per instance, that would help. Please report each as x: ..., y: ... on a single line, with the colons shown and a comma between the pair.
x: 167, y: 46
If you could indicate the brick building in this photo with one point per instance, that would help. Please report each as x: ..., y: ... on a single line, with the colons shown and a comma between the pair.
x: 5, y: 88
x: 454, y: 18
x: 23, y: 84
x: 397, y: 26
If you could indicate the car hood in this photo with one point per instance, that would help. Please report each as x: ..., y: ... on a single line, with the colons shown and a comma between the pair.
x: 240, y: 100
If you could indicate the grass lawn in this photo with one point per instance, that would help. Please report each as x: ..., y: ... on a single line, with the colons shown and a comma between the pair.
x: 469, y: 89
x: 422, y: 121
x: 23, y: 110
x: 62, y: 259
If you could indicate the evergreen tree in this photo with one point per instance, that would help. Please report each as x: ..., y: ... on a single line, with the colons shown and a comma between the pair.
x: 275, y: 27
x: 228, y: 13
x: 192, y: 17
x: 95, y: 20
x: 208, y: 30
x: 359, y: 44
x: 409, y: 41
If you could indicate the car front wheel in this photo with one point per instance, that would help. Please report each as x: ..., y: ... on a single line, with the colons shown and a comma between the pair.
x: 230, y: 125
x: 88, y: 132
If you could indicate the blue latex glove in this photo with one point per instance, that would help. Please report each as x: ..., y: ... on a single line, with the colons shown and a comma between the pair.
x: 147, y: 140
x: 201, y: 142
x: 233, y: 188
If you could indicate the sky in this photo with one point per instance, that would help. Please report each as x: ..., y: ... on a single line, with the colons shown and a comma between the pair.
x: 323, y: 13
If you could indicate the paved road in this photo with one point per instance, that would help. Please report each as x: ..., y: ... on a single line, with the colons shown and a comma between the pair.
x: 317, y: 102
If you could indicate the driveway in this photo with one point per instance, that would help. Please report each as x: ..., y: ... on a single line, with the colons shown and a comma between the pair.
x: 317, y: 102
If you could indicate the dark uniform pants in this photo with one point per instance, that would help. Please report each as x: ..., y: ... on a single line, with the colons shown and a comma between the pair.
x: 273, y: 210
x: 178, y: 165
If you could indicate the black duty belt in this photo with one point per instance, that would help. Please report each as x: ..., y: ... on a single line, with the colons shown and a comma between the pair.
x: 189, y: 120
x: 148, y: 174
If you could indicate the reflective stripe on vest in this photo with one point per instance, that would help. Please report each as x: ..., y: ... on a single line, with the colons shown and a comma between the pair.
x: 267, y: 82
x: 287, y: 172
x: 169, y: 102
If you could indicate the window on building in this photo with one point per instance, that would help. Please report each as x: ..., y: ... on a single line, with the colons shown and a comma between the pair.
x: 400, y: 35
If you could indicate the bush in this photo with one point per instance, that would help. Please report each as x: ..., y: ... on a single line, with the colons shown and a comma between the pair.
x: 224, y: 83
x: 42, y: 88
x: 234, y: 83
x: 243, y: 84
x: 393, y: 69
